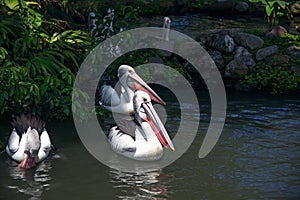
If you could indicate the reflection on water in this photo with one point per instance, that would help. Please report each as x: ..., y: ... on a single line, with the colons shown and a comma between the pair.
x: 257, y: 157
x: 146, y: 185
x: 29, y: 182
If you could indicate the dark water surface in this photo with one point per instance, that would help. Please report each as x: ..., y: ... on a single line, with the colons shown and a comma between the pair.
x: 257, y: 157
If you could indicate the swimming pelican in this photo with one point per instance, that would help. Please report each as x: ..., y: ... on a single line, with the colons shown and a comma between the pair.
x: 121, y: 101
x: 145, y: 136
x: 29, y: 142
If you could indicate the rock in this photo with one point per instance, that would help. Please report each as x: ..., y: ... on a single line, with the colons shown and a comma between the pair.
x: 294, y: 51
x: 221, y: 42
x: 202, y: 38
x: 217, y: 58
x: 233, y: 31
x: 277, y: 59
x: 265, y: 52
x: 238, y: 67
x: 241, y: 6
x: 276, y: 31
x: 296, y: 70
x: 241, y: 51
x: 248, y: 40
x: 295, y: 8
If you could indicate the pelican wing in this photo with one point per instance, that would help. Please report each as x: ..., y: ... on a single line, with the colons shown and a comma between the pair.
x: 127, y: 126
x: 121, y: 142
x: 45, y: 145
x: 13, y: 142
x: 109, y: 96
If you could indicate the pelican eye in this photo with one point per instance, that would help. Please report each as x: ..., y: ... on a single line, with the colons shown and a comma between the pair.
x: 130, y: 70
x: 144, y: 100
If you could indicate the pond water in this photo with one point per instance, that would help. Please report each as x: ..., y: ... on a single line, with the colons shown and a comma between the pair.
x: 195, y: 24
x: 256, y: 157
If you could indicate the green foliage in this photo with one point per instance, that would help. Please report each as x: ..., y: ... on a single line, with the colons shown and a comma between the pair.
x: 37, y: 66
x: 274, y: 80
x: 142, y: 56
x: 284, y: 42
x: 275, y: 9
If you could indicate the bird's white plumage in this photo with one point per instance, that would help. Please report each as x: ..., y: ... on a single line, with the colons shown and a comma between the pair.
x: 119, y: 99
x: 16, y: 146
x: 143, y: 143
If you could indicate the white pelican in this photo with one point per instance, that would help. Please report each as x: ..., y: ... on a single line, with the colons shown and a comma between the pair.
x: 121, y: 101
x: 29, y: 142
x: 145, y: 136
x: 166, y: 27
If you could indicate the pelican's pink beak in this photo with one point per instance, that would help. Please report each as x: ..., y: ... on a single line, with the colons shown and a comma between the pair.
x: 137, y: 83
x: 28, y: 161
x: 157, y: 126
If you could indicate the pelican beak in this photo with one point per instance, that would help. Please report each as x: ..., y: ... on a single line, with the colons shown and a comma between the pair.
x: 28, y: 161
x: 137, y: 83
x: 31, y: 151
x: 157, y: 126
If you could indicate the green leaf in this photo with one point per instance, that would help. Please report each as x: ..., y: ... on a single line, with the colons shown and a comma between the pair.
x: 282, y: 4
x: 269, y: 10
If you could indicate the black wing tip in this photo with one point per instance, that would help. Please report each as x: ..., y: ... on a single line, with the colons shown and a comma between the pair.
x: 24, y: 120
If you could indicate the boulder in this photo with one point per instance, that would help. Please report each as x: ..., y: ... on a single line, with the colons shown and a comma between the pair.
x: 294, y: 51
x: 296, y: 70
x: 277, y: 59
x: 241, y: 6
x: 276, y: 31
x: 241, y: 51
x: 295, y: 8
x: 238, y: 67
x: 233, y: 31
x: 218, y: 59
x: 265, y: 52
x: 202, y: 38
x: 221, y: 41
x: 248, y: 40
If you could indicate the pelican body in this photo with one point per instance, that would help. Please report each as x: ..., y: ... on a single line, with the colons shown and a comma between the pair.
x: 142, y: 138
x: 29, y: 142
x: 120, y: 101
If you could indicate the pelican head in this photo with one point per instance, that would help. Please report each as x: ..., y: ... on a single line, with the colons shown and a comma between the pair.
x: 144, y: 112
x: 128, y: 77
x: 32, y: 146
x: 167, y: 22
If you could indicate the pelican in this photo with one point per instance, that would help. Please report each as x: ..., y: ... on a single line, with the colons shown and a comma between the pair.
x: 121, y: 101
x: 29, y: 142
x: 144, y: 137
x: 166, y: 27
